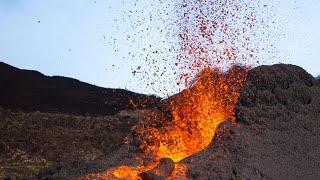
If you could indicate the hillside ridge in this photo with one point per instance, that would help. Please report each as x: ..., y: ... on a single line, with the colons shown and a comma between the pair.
x: 27, y: 90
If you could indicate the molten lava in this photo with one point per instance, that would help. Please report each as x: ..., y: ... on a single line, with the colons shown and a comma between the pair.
x: 214, y: 38
x: 195, y: 115
x: 127, y: 173
x: 187, y: 122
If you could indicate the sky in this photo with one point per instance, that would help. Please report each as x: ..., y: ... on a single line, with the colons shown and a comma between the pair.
x: 88, y: 39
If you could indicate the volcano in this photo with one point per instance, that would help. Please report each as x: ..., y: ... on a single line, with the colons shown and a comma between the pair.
x: 275, y: 135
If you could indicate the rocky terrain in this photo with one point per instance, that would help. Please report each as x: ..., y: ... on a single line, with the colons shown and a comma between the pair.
x: 33, y: 143
x: 276, y: 136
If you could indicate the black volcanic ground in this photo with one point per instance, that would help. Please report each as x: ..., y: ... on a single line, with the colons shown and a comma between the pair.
x: 54, y: 127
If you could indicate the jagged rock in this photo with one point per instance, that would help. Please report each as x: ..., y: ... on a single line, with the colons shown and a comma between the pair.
x: 163, y: 170
x: 151, y: 176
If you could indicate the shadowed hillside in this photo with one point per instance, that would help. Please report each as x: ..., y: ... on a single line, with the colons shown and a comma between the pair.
x: 32, y: 91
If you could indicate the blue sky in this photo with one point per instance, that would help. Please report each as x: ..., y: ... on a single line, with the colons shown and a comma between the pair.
x: 85, y: 39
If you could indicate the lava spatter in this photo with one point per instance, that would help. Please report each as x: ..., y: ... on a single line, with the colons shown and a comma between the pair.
x: 195, y: 114
x: 214, y: 52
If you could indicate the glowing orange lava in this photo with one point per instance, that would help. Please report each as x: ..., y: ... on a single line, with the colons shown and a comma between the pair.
x: 122, y: 172
x: 188, y: 121
x: 195, y: 115
x: 214, y: 39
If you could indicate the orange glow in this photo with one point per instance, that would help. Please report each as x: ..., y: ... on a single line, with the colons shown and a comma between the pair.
x: 187, y: 123
x: 210, y: 41
x: 131, y: 173
x: 125, y: 172
x: 122, y: 172
x: 179, y: 172
x: 196, y: 113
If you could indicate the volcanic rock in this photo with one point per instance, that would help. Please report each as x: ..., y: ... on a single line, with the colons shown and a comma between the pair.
x: 163, y: 170
x: 277, y: 132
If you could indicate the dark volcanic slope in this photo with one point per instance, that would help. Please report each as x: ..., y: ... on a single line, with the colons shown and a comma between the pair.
x: 32, y: 91
x: 278, y: 131
x: 277, y: 135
